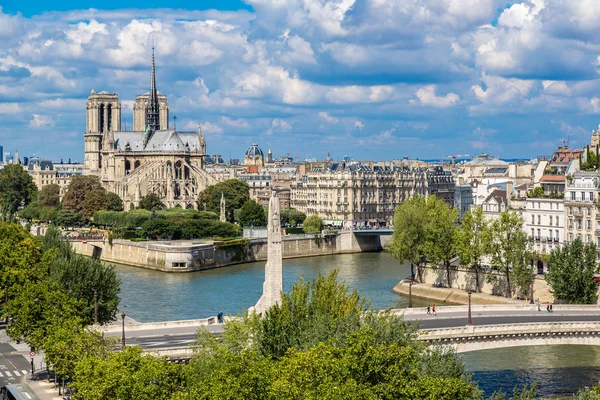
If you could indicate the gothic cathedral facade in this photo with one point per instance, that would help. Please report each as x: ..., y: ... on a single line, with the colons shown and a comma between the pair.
x: 153, y: 158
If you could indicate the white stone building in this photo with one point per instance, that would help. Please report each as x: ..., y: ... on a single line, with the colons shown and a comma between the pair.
x: 581, y: 208
x: 544, y: 222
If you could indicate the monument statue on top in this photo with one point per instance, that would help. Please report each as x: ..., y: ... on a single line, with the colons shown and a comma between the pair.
x: 273, y: 285
x: 222, y: 217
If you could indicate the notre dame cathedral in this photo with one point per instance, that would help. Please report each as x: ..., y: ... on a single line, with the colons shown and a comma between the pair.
x: 150, y: 159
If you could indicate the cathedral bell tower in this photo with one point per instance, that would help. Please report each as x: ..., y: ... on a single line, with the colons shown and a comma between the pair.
x: 103, y: 117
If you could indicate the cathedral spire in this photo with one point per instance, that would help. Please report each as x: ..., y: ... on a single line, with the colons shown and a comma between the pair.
x: 153, y: 113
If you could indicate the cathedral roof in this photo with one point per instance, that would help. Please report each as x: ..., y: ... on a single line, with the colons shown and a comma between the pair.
x: 254, y: 151
x: 167, y: 140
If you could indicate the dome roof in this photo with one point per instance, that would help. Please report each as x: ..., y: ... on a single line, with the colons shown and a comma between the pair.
x: 254, y: 151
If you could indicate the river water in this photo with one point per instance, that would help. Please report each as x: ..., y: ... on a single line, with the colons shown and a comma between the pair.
x: 149, y: 295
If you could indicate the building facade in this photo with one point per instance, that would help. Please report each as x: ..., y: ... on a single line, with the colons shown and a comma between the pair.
x: 580, y: 208
x: 544, y: 222
x: 356, y: 195
x: 156, y: 159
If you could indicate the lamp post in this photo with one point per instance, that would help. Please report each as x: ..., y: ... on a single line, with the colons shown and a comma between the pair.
x: 410, y: 293
x: 469, y: 320
x: 95, y: 308
x: 123, y: 331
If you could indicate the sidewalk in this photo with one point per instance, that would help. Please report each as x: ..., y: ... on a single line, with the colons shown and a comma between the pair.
x: 451, y: 295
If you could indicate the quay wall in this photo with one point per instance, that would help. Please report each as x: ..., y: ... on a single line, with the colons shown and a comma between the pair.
x: 186, y: 256
x: 463, y: 280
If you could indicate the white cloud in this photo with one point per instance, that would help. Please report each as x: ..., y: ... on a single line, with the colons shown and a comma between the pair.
x: 325, y: 115
x: 39, y: 121
x: 278, y: 125
x: 236, y: 123
x: 211, y: 128
x: 359, y: 125
x: 427, y: 97
x: 10, y: 108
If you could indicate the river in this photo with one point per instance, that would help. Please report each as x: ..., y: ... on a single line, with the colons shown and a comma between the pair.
x: 149, y: 295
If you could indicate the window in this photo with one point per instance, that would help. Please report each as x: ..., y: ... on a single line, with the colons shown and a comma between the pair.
x: 533, y: 233
x: 550, y: 220
x: 582, y: 196
x: 550, y: 234
x: 557, y: 218
x: 589, y: 212
x: 572, y: 196
x: 570, y: 211
x: 539, y: 233
x: 556, y: 237
x: 591, y: 196
x: 533, y: 220
x: 539, y: 219
x: 570, y: 237
x: 589, y: 239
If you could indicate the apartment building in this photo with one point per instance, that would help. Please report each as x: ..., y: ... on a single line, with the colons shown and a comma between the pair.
x: 544, y: 222
x: 46, y: 172
x: 356, y: 195
x: 580, y: 208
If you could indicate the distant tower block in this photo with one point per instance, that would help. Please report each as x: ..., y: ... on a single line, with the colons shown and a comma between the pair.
x: 222, y: 217
x: 273, y: 285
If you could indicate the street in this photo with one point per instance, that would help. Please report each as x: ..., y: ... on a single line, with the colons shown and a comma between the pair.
x: 13, y: 366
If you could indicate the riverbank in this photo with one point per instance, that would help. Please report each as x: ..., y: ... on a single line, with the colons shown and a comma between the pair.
x: 450, y: 295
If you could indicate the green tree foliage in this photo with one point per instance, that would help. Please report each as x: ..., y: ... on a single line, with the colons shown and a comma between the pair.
x: 472, y: 241
x: 509, y: 248
x: 35, y: 211
x: 16, y: 189
x: 81, y: 277
x: 440, y: 232
x: 151, y: 202
x: 410, y: 234
x: 312, y: 224
x: 49, y: 196
x: 252, y: 214
x: 68, y: 218
x: 34, y: 306
x: 78, y: 190
x: 571, y: 270
x: 323, y: 342
x: 113, y: 202
x: 127, y: 375
x: 525, y: 392
x: 19, y: 251
x: 94, y: 200
x: 292, y: 217
x: 235, y: 191
x: 162, y: 228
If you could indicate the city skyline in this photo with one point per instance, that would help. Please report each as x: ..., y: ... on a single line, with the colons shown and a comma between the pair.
x: 370, y: 80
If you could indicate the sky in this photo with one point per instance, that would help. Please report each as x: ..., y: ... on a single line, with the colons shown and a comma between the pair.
x: 370, y: 79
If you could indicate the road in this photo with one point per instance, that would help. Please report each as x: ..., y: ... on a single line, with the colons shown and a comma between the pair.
x: 13, y: 366
x: 156, y: 339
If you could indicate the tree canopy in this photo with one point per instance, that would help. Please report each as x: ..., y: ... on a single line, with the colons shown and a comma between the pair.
x: 151, y: 202
x: 471, y: 240
x: 410, y: 235
x: 292, y: 217
x: 77, y: 191
x: 49, y: 196
x: 252, y: 214
x: 312, y: 224
x: 571, y: 270
x: 16, y: 189
x: 235, y: 191
x: 440, y: 232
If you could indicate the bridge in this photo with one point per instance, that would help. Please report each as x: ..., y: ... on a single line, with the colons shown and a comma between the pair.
x: 373, y: 232
x: 494, y: 326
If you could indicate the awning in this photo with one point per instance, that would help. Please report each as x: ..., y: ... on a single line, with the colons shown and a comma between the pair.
x: 373, y: 221
x: 338, y: 223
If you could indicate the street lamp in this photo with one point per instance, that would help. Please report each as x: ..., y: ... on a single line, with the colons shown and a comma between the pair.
x: 469, y: 320
x: 410, y: 293
x: 123, y: 331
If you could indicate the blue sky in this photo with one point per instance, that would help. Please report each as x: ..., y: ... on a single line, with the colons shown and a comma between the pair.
x: 372, y: 79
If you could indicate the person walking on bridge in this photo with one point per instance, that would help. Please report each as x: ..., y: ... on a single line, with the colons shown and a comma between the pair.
x: 433, y: 310
x: 428, y: 309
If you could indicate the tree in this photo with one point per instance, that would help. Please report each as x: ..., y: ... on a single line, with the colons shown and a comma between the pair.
x: 16, y: 189
x: 49, y: 195
x: 113, y: 202
x: 68, y: 218
x: 472, y: 240
x: 509, y: 248
x: 127, y: 375
x: 36, y: 306
x: 440, y: 245
x: 312, y: 224
x: 95, y: 200
x: 235, y: 191
x: 571, y: 270
x: 410, y: 235
x: 77, y: 191
x: 252, y: 214
x: 292, y: 217
x: 82, y: 278
x: 151, y: 202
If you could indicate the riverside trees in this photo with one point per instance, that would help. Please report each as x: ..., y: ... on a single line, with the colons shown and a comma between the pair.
x: 428, y: 230
x: 571, y: 270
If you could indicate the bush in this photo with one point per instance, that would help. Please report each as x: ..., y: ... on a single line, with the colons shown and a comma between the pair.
x: 252, y: 214
x: 313, y: 224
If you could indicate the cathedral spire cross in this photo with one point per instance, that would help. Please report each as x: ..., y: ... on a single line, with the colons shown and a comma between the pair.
x: 153, y: 114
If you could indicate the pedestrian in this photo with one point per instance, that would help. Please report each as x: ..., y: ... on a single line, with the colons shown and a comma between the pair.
x: 220, y: 317
x: 548, y: 307
x: 551, y: 308
x: 433, y: 310
x: 428, y: 309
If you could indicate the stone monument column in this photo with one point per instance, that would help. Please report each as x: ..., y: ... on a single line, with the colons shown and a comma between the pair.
x: 273, y: 285
x: 222, y: 217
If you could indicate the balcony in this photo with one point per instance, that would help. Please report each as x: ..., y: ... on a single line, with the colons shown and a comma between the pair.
x: 537, y: 238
